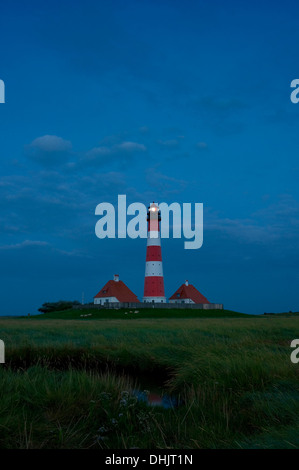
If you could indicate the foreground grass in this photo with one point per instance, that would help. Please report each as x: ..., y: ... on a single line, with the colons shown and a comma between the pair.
x: 63, y: 383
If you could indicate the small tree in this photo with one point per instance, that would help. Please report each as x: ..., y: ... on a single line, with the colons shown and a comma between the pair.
x: 49, y: 307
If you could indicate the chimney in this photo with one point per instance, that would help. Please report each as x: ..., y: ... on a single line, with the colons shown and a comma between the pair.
x: 186, y: 283
x: 116, y: 277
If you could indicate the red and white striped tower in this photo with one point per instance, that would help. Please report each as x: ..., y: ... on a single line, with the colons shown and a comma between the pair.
x: 154, y: 281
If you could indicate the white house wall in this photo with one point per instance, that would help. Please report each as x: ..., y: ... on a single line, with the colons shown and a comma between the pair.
x: 104, y: 300
x: 181, y: 301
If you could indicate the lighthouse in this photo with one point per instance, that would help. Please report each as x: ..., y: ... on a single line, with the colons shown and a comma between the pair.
x: 154, y: 281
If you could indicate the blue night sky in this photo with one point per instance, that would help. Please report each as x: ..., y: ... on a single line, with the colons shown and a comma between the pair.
x: 160, y: 100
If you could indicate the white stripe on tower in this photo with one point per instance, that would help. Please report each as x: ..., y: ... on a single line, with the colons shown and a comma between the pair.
x: 154, y: 238
x: 153, y: 268
x: 154, y: 281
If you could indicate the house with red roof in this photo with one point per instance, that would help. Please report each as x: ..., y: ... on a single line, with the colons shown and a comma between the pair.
x: 115, y: 291
x: 187, y: 294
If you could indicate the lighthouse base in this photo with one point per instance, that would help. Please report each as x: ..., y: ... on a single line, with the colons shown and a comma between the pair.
x: 161, y: 300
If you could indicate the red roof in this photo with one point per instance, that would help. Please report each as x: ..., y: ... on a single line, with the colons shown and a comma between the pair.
x: 119, y: 290
x: 189, y: 292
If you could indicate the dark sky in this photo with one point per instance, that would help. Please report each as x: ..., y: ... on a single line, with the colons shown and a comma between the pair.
x: 160, y: 100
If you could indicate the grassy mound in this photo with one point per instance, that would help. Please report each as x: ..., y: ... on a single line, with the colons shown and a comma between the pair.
x: 93, y: 313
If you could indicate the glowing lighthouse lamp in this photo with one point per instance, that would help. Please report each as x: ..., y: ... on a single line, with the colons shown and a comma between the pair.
x: 154, y: 281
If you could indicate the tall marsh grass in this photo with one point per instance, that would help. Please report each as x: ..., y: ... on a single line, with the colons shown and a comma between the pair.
x: 67, y: 384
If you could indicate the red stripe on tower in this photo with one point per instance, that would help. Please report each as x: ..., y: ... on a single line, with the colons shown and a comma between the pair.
x: 154, y: 281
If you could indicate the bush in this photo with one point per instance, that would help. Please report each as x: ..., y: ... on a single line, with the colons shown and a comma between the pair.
x: 49, y: 307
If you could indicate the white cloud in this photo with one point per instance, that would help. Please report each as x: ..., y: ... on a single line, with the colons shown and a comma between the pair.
x: 24, y: 244
x: 97, y: 152
x: 130, y: 146
x: 49, y: 150
x: 51, y: 143
x: 120, y: 152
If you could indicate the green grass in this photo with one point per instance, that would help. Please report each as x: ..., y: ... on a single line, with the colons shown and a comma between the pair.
x: 65, y: 383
